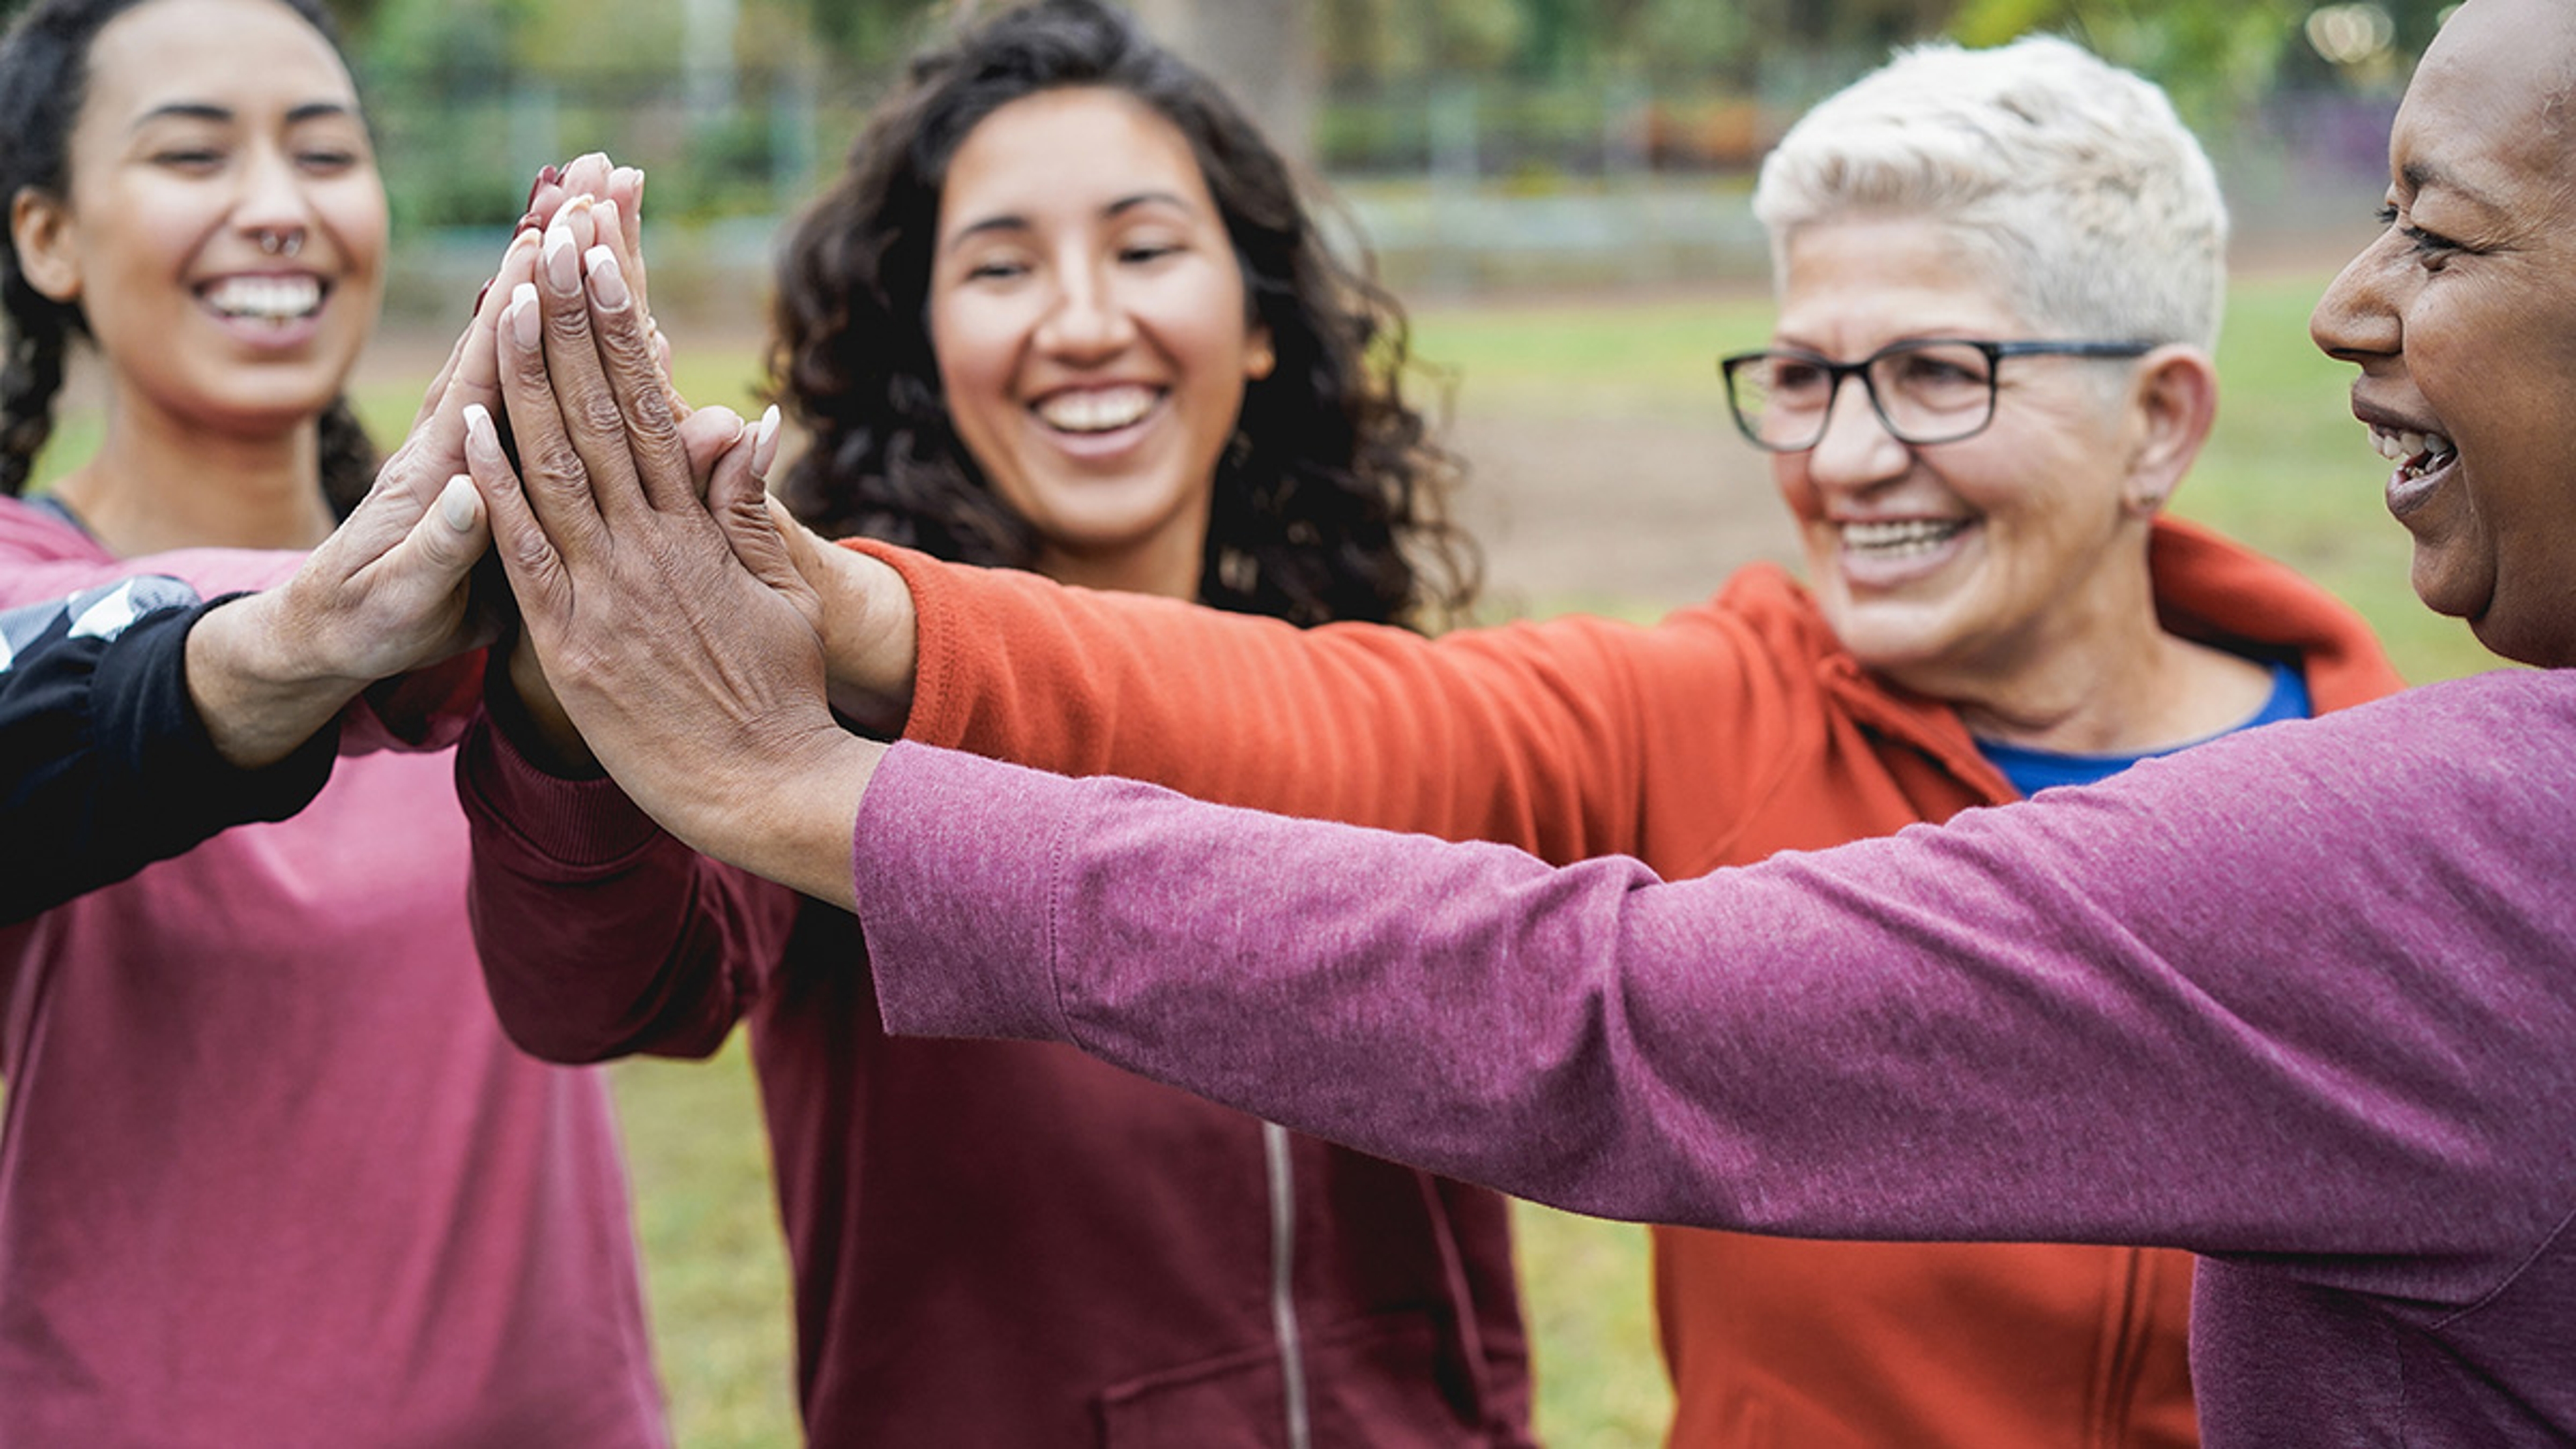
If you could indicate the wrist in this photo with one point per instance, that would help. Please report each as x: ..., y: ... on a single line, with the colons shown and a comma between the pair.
x: 871, y: 639
x: 788, y: 814
x: 257, y: 692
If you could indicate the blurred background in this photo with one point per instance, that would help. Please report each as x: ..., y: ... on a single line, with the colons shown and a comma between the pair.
x: 1557, y: 188
x: 1478, y: 143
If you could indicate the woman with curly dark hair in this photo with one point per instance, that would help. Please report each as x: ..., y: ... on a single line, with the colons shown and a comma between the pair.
x: 1064, y: 312
x: 1323, y: 503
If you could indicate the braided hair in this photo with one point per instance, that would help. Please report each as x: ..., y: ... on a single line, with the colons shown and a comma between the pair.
x: 44, y: 77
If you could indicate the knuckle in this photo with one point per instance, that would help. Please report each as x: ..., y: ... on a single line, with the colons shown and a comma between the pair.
x: 595, y: 412
x: 553, y: 458
x: 568, y: 324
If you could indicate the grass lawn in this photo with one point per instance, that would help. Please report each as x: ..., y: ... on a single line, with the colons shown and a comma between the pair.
x: 2288, y: 471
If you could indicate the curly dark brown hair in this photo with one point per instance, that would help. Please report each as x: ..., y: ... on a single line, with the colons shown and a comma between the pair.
x: 1327, y: 506
x: 44, y: 76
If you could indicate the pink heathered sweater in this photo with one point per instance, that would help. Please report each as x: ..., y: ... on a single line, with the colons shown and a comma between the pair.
x: 270, y: 1173
x: 2302, y: 1000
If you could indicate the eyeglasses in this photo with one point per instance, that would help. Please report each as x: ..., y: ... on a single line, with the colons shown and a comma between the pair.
x: 1935, y: 390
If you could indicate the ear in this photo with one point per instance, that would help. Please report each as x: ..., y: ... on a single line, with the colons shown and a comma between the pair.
x: 2172, y: 404
x: 40, y: 228
x: 1259, y: 357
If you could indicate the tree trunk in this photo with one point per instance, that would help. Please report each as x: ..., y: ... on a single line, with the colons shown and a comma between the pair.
x: 1261, y: 51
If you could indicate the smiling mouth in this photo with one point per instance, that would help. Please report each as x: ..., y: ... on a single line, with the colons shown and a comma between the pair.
x: 1901, y: 538
x: 274, y: 300
x: 1096, y: 410
x: 2415, y: 454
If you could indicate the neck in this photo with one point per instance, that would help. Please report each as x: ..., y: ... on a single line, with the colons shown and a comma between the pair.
x: 158, y: 483
x: 2148, y: 693
x: 1168, y: 564
x: 2098, y: 676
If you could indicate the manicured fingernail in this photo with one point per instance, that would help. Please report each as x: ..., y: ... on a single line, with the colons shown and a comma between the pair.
x: 563, y: 273
x: 627, y: 179
x: 456, y: 502
x: 522, y: 315
x: 546, y: 176
x: 603, y: 220
x: 607, y: 283
x: 480, y: 436
x: 765, y: 451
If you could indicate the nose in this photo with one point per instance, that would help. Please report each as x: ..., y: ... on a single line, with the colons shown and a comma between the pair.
x: 1085, y: 320
x: 272, y: 203
x: 2356, y: 319
x: 1856, y: 450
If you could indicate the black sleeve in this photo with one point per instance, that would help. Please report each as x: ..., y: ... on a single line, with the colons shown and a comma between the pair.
x: 105, y: 766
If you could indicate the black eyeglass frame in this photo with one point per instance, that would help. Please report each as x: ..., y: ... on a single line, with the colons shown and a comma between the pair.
x: 1836, y: 372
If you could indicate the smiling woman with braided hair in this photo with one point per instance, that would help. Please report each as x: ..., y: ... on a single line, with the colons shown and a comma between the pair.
x: 270, y: 1173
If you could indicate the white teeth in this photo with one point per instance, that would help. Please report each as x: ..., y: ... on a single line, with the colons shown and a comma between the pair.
x: 1097, y: 410
x: 267, y: 299
x: 1908, y: 535
x: 2420, y: 452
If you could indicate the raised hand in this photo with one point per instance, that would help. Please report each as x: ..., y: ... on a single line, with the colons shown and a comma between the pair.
x: 387, y: 593
x: 677, y: 633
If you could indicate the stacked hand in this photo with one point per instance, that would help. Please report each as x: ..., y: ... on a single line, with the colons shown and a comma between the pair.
x: 675, y: 630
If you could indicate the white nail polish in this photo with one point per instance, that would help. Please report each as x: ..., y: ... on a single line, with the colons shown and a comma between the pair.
x: 456, y: 504
x: 764, y: 449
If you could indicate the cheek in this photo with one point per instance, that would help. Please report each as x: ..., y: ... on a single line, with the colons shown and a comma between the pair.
x: 1789, y: 475
x: 358, y: 217
x: 972, y: 348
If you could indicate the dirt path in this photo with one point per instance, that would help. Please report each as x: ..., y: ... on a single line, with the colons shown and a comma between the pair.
x: 1640, y: 511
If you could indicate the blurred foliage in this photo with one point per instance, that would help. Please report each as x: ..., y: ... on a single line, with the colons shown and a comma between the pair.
x: 736, y: 106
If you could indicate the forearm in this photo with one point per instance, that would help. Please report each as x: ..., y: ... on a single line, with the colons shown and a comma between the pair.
x: 260, y: 694
x: 1515, y: 735
x: 107, y: 766
x: 600, y: 934
x: 1914, y: 1037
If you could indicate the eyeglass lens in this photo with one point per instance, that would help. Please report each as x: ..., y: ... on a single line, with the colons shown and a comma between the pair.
x: 1925, y: 393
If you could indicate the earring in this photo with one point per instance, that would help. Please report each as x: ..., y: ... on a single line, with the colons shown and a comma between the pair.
x: 280, y: 243
x: 1259, y: 364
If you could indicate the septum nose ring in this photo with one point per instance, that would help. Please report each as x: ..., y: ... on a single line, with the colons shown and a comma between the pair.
x: 280, y: 243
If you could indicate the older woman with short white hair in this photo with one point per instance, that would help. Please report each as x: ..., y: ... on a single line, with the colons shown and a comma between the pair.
x: 1999, y: 279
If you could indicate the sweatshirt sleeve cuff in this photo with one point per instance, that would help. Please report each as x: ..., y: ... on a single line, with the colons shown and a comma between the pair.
x: 936, y: 603
x: 573, y: 825
x: 953, y: 868
x: 181, y: 763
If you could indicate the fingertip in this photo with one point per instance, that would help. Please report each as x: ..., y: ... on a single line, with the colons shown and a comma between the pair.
x: 459, y: 505
x: 482, y: 440
x: 607, y: 280
x: 521, y: 314
x: 764, y: 450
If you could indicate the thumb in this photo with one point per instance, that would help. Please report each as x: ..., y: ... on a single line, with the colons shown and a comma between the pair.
x: 451, y: 535
x: 740, y: 503
x: 706, y: 435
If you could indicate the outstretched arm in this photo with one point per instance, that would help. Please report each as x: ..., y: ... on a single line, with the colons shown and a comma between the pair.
x: 105, y: 762
x: 2182, y: 1008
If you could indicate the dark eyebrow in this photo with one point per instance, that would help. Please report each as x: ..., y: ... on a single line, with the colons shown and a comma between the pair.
x: 2419, y: 177
x: 1013, y: 221
x: 1009, y: 221
x: 184, y: 111
x: 208, y: 111
x: 1144, y: 198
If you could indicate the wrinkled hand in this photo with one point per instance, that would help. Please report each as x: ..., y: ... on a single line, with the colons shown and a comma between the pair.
x: 388, y: 592
x: 575, y: 226
x: 679, y: 638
